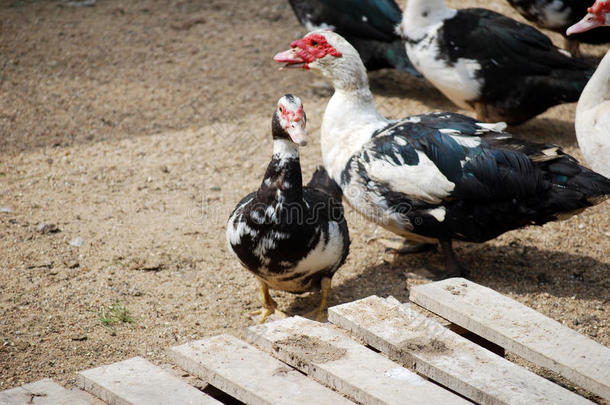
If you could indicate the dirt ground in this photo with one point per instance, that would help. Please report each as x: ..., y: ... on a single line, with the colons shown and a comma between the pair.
x: 135, y: 126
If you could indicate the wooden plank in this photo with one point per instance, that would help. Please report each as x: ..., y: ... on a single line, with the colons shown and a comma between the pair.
x: 85, y: 396
x: 519, y: 329
x: 446, y: 357
x: 249, y: 374
x: 139, y: 382
x: 331, y: 357
x: 43, y: 392
x: 473, y: 337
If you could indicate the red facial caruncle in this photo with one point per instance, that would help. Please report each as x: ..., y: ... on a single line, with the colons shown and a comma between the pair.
x: 314, y: 47
x: 307, y: 50
x: 292, y: 116
x: 600, y: 8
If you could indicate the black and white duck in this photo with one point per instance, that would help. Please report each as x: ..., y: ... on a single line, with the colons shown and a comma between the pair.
x: 486, y: 62
x: 438, y: 176
x: 292, y: 238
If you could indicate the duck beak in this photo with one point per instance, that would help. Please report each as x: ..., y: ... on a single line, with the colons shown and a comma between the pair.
x: 297, y: 133
x: 291, y: 59
x: 589, y: 22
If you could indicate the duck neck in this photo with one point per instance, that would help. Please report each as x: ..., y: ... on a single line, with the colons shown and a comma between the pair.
x: 348, y: 76
x: 283, y: 181
x: 349, y: 121
x: 597, y: 89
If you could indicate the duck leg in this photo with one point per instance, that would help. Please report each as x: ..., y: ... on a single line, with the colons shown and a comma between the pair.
x: 453, y: 268
x: 269, y: 305
x: 318, y: 313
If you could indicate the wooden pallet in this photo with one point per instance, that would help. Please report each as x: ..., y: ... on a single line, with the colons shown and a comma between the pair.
x: 373, y: 351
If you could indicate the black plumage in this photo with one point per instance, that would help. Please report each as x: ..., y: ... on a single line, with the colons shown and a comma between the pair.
x: 558, y: 16
x: 369, y: 25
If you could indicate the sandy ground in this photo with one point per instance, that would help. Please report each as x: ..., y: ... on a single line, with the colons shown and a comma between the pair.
x: 136, y: 126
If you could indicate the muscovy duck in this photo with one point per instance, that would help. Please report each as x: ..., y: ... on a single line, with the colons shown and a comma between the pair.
x: 593, y: 110
x: 438, y: 176
x: 292, y: 238
x: 558, y: 15
x: 481, y: 60
x: 369, y: 25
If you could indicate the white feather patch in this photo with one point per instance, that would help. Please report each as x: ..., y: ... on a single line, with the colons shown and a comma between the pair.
x: 284, y: 150
x: 493, y: 126
x: 458, y: 81
x: 324, y: 254
x: 235, y: 233
x: 467, y: 141
x: 438, y: 213
x: 264, y: 245
x: 420, y: 182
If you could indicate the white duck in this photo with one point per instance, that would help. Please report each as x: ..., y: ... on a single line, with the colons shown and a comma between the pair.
x: 593, y: 110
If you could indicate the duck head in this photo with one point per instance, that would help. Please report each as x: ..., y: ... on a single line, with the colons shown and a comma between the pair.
x: 289, y: 120
x: 597, y: 15
x: 328, y: 54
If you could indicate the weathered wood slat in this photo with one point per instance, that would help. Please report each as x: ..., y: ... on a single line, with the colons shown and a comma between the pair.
x: 453, y: 361
x: 249, y: 374
x: 43, y: 392
x: 139, y: 382
x: 331, y: 357
x: 519, y: 329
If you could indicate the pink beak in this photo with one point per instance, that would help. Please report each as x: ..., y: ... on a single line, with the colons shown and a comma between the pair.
x: 297, y: 132
x: 589, y: 22
x: 291, y: 58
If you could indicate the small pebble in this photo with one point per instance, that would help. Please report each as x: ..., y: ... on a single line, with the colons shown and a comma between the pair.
x: 77, y: 242
x: 5, y: 210
x: 47, y: 228
x: 71, y: 264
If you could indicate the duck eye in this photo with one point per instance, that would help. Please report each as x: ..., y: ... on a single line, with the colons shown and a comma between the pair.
x: 281, y: 109
x: 314, y: 43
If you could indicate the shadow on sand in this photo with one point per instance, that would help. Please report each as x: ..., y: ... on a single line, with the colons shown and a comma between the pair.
x: 509, y: 269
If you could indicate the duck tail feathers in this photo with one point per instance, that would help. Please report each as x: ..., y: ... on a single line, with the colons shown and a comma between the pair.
x: 320, y: 180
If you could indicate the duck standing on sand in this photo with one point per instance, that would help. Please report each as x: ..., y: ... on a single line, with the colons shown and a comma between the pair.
x: 437, y: 176
x: 483, y: 61
x: 292, y: 238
